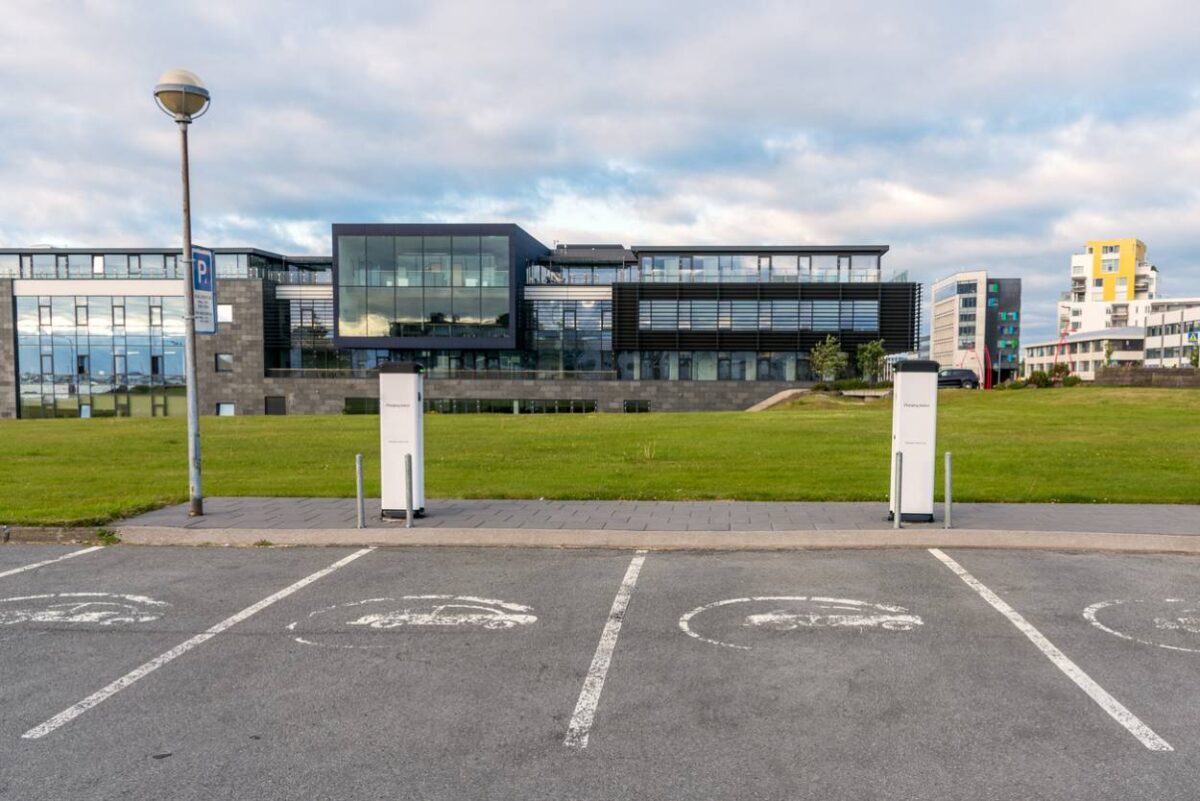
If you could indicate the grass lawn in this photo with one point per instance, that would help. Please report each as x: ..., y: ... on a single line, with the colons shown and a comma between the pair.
x: 1083, y: 444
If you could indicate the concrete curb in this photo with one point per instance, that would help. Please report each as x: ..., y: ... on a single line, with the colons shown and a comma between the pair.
x: 667, y: 540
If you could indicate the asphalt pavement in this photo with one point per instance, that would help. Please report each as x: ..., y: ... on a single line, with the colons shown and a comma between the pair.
x: 444, y: 673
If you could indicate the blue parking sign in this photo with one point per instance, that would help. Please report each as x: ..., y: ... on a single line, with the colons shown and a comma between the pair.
x: 204, y: 291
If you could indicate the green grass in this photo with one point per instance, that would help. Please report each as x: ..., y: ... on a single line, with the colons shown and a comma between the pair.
x: 1085, y: 444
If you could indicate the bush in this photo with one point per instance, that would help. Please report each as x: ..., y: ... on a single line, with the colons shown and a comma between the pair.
x: 1072, y: 381
x: 1017, y: 384
x: 1038, y: 378
x: 849, y: 383
x: 820, y: 387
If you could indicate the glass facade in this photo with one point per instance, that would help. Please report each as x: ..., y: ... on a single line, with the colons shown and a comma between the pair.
x: 712, y: 365
x: 722, y: 268
x: 570, y: 335
x: 423, y: 286
x: 100, y: 356
x: 758, y: 315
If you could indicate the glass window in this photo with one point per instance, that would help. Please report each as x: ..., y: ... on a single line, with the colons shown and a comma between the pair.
x: 381, y: 261
x: 381, y: 311
x: 224, y: 362
x: 224, y: 313
x: 352, y: 311
x: 225, y: 410
x: 465, y: 265
x: 825, y: 314
x: 825, y: 268
x: 408, y: 261
x: 494, y: 309
x: 784, y: 268
x: 437, y: 263
x: 494, y: 261
x: 352, y: 260
x: 275, y: 404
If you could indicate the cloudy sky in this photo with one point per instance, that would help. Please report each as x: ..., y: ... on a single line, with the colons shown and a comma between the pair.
x: 997, y: 135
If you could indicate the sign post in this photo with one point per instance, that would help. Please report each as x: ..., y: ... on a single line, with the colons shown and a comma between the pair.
x: 914, y: 434
x: 204, y: 290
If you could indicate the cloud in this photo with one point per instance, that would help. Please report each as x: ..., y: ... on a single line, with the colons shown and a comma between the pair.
x: 992, y: 134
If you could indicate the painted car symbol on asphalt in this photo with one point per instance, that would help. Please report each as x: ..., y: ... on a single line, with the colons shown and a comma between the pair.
x: 795, y: 612
x: 430, y: 612
x: 105, y: 609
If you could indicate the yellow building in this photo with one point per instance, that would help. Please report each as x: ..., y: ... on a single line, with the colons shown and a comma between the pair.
x: 1111, y: 286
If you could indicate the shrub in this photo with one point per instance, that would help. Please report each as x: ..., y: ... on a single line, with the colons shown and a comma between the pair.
x: 820, y: 387
x: 850, y: 383
x: 1072, y: 381
x: 1039, y: 378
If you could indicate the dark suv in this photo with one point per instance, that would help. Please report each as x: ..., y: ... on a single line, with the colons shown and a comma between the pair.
x: 957, y: 377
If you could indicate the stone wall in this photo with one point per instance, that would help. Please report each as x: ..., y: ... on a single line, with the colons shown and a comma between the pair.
x: 1188, y: 377
x: 8, y: 351
x: 328, y: 395
x: 243, y: 337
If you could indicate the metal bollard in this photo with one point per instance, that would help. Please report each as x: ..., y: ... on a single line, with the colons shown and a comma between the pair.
x: 949, y: 484
x: 358, y: 479
x: 899, y: 488
x: 408, y: 491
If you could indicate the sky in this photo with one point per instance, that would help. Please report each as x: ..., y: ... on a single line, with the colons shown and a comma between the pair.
x: 964, y: 135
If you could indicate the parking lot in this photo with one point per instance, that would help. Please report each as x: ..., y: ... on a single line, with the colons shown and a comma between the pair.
x: 201, y: 673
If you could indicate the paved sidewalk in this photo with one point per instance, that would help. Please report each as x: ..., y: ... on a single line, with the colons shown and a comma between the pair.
x: 289, y: 514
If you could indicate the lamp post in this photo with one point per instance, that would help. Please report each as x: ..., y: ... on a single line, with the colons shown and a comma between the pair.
x: 181, y: 95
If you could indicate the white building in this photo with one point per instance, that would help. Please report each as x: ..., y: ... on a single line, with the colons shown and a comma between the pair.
x: 1172, y: 335
x: 1084, y: 352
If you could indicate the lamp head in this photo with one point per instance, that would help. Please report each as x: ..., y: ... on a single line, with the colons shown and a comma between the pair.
x: 181, y: 94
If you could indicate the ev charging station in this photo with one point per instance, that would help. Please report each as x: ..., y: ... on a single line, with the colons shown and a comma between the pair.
x: 914, y: 434
x: 402, y: 433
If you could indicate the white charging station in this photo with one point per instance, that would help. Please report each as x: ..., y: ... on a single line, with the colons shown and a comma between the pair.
x: 402, y: 433
x: 914, y: 433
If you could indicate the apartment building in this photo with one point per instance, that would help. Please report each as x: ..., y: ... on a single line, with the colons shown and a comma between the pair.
x: 976, y: 324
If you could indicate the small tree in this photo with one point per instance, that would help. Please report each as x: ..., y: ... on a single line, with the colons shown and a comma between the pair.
x: 1060, y: 371
x: 827, y: 359
x: 1194, y: 357
x: 1108, y: 352
x: 870, y: 359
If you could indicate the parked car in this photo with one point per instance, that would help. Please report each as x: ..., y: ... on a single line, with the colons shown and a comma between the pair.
x: 958, y: 377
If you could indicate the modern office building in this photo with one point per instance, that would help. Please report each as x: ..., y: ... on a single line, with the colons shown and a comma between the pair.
x: 501, y: 322
x: 976, y: 324
x: 1085, y: 352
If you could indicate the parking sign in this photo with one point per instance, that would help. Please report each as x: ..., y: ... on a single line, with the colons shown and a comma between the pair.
x: 204, y: 291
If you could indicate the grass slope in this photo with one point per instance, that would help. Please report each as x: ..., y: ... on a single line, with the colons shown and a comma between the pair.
x: 1085, y: 444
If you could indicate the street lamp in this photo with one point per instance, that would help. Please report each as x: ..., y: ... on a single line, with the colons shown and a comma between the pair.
x: 182, y: 95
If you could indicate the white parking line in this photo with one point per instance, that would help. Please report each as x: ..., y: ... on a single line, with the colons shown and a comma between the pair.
x: 36, y: 565
x: 72, y: 712
x: 589, y: 696
x: 1111, y: 705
